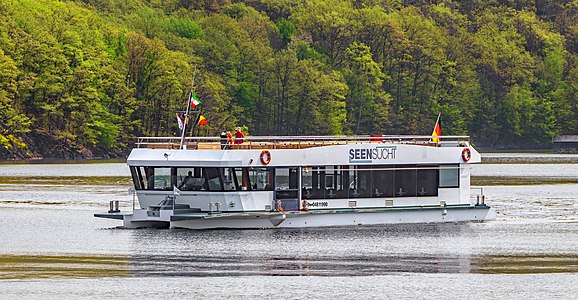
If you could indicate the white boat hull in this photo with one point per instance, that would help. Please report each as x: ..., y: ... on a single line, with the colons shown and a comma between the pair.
x: 318, y: 218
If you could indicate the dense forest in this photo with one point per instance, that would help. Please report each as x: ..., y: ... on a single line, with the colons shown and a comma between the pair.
x: 83, y: 78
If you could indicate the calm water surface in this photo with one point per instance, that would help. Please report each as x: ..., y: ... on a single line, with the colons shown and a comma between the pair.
x: 53, y: 248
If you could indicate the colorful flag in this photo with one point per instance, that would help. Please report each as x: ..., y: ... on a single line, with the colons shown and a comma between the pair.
x: 194, y: 100
x: 202, y: 121
x: 181, y: 123
x: 437, y: 131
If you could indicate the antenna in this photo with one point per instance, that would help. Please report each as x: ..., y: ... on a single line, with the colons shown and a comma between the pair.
x: 188, y: 108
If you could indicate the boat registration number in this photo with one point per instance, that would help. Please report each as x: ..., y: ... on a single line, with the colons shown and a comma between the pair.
x: 318, y: 204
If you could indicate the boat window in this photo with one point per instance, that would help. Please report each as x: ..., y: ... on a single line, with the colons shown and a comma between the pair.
x: 137, y: 178
x: 229, y: 179
x: 243, y: 181
x: 306, y: 183
x: 190, y: 179
x: 156, y: 178
x: 427, y: 177
x: 334, y: 183
x: 213, y: 176
x: 359, y: 182
x: 363, y: 180
x: 383, y: 183
x: 316, y: 177
x: 449, y: 176
x: 285, y: 178
x: 260, y: 179
x: 405, y: 182
x: 352, y: 182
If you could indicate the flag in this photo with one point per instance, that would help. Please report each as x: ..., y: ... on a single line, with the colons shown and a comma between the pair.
x: 437, y: 131
x: 181, y: 123
x: 176, y: 191
x: 194, y: 100
x: 202, y: 121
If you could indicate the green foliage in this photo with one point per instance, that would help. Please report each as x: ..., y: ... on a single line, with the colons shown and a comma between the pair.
x: 287, y: 30
x: 91, y: 75
x: 186, y: 28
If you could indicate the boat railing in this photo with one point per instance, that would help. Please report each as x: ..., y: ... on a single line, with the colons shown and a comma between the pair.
x: 295, y: 142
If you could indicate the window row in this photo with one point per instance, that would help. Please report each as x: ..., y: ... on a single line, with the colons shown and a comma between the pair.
x: 376, y: 181
x: 316, y: 182
x: 202, y: 179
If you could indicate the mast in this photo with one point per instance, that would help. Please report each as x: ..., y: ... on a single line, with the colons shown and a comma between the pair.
x: 185, y: 121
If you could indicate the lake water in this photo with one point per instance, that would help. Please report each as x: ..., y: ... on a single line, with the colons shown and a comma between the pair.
x: 52, y: 247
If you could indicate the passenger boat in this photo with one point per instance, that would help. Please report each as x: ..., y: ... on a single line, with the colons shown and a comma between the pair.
x: 302, y: 181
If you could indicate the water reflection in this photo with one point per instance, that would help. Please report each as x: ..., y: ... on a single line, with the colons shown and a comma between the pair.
x: 47, y: 181
x: 60, y: 266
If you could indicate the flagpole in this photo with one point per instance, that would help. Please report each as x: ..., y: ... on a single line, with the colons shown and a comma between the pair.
x: 187, y: 111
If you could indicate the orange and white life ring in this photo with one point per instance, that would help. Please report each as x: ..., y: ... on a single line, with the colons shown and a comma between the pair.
x: 466, y: 154
x: 265, y: 157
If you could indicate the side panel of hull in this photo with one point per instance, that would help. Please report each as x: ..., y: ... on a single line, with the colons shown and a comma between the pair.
x: 344, y: 219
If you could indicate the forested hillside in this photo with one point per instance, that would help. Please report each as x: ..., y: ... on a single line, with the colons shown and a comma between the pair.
x: 83, y: 78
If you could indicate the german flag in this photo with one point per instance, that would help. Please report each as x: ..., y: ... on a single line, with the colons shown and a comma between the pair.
x: 437, y: 131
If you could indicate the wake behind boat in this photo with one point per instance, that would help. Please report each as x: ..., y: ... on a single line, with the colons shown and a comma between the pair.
x: 303, y: 181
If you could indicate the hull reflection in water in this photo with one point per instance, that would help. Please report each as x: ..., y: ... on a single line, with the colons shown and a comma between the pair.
x: 208, y: 266
x: 35, y: 267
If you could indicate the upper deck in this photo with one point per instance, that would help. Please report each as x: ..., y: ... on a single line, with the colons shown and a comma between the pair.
x: 297, y: 142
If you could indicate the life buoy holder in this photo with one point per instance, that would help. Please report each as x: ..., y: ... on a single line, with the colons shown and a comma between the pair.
x: 265, y: 157
x: 466, y: 154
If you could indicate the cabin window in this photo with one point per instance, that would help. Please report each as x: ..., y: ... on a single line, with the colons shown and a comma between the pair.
x: 137, y: 178
x: 382, y: 182
x: 360, y: 182
x: 329, y: 182
x: 449, y: 176
x: 365, y: 185
x: 306, y: 183
x: 260, y: 179
x: 330, y: 185
x: 155, y: 178
x: 229, y: 179
x: 405, y: 182
x: 317, y: 182
x: 336, y: 183
x: 213, y: 176
x: 427, y: 178
x: 190, y: 179
x: 285, y: 178
x: 243, y: 181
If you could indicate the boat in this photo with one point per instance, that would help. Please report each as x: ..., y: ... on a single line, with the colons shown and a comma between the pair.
x: 302, y: 181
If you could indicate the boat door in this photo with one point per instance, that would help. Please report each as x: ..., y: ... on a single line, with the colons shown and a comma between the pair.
x: 286, y: 189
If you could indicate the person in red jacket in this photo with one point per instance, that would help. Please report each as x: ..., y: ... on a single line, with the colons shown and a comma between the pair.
x: 239, y: 136
x: 229, y: 139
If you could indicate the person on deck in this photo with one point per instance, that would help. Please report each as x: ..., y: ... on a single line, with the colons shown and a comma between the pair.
x: 239, y: 136
x: 224, y: 140
x: 229, y: 139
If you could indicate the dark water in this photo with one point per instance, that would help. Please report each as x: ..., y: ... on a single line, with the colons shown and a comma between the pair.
x: 52, y: 247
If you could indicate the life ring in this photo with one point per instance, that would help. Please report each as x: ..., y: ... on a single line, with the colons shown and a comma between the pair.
x: 466, y: 154
x: 265, y: 157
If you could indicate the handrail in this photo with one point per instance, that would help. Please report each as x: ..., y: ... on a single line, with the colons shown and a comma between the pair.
x: 300, y: 141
